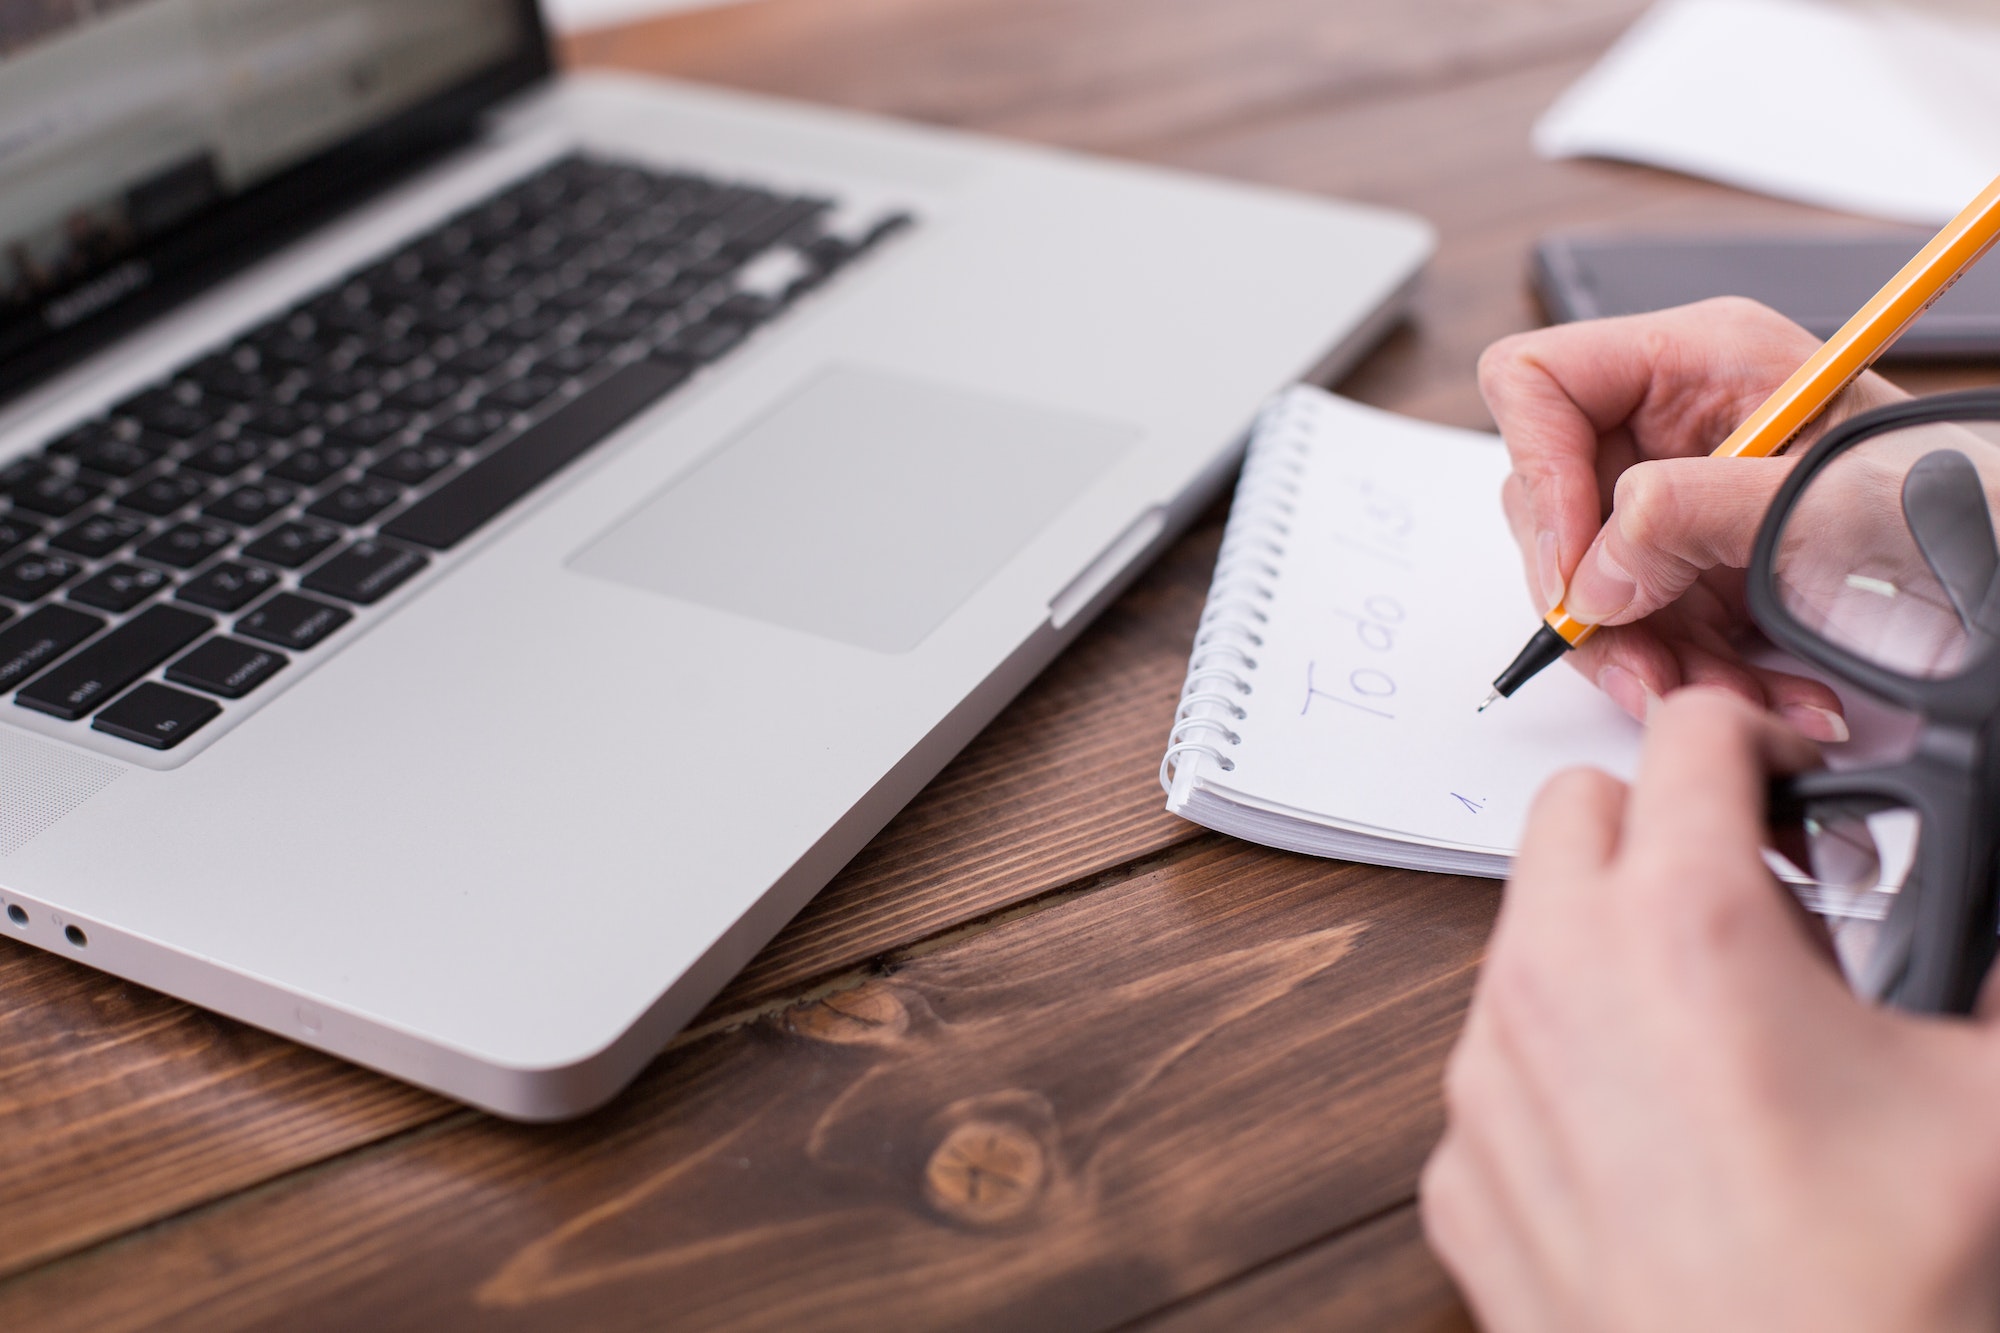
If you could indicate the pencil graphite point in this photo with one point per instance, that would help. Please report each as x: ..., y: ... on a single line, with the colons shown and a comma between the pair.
x: 1491, y: 699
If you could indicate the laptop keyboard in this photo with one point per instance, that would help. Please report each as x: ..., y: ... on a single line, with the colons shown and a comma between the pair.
x: 176, y: 554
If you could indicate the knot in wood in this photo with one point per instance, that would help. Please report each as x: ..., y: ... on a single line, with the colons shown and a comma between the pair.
x: 986, y: 1173
x: 867, y: 1015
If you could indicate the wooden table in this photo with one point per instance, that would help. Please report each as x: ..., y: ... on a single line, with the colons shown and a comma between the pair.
x: 1042, y: 1057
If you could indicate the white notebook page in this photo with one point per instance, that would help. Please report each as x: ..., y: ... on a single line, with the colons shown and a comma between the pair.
x: 1395, y: 595
x: 1868, y: 108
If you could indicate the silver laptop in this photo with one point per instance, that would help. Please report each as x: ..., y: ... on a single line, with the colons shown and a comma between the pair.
x: 483, y: 548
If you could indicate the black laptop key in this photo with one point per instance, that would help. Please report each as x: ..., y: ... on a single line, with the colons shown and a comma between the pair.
x: 475, y: 427
x: 228, y: 667
x: 14, y: 530
x: 578, y: 295
x: 250, y: 506
x: 431, y: 391
x: 55, y: 494
x: 369, y: 429
x: 415, y: 465
x: 440, y: 321
x: 222, y: 377
x: 291, y: 621
x: 310, y: 467
x: 281, y: 349
x: 705, y: 341
x: 284, y: 420
x: 292, y: 544
x: 759, y: 229
x: 483, y: 359
x: 336, y: 386
x: 29, y: 645
x: 229, y: 586
x: 747, y: 308
x: 499, y: 281
x: 356, y: 503
x: 161, y: 496
x: 462, y: 505
x: 31, y: 577
x: 575, y: 359
x: 98, y: 536
x: 169, y: 414
x: 607, y: 333
x: 668, y: 296
x: 91, y: 678
x: 119, y: 456
x: 390, y: 353
x: 150, y: 400
x: 79, y: 438
x: 365, y: 572
x: 533, y: 326
x: 157, y: 716
x: 523, y: 393
x: 184, y: 545
x: 223, y: 458
x: 121, y: 587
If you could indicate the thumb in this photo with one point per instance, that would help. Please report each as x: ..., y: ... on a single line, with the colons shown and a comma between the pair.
x: 1671, y: 519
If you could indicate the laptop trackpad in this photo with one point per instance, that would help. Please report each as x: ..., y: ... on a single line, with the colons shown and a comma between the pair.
x: 864, y: 508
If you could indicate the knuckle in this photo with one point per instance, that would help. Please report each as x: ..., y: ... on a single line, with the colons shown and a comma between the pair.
x: 1739, y: 310
x: 1661, y: 342
x: 1501, y: 358
x: 1751, y: 319
x: 1647, y: 504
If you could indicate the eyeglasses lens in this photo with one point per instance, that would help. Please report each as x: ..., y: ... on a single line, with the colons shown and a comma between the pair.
x: 1853, y: 862
x: 1890, y: 551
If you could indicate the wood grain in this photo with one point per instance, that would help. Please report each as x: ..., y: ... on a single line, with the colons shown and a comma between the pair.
x: 1378, y: 1275
x: 119, y: 1106
x: 1108, y: 75
x: 1063, y: 1120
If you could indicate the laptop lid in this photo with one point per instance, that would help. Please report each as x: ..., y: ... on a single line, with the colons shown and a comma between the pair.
x: 148, y: 146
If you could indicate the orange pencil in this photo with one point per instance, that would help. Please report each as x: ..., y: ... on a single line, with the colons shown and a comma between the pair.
x: 1802, y: 397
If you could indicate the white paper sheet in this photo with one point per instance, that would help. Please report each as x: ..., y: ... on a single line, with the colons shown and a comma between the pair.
x: 580, y: 15
x: 1879, y: 111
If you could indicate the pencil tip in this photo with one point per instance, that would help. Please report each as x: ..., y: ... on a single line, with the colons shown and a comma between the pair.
x: 1491, y: 699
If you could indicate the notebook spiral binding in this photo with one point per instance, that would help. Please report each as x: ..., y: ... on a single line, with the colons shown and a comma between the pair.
x: 1222, y: 668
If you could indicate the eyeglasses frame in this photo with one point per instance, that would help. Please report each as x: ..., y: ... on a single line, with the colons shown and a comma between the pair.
x: 1953, y: 773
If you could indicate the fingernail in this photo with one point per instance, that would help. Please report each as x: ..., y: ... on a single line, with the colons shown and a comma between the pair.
x: 1600, y: 589
x: 1628, y: 692
x: 1816, y: 724
x: 1548, y: 569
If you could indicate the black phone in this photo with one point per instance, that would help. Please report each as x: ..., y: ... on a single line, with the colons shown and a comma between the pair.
x: 1818, y: 280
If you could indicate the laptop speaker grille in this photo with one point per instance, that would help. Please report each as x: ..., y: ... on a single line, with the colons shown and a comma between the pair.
x: 39, y: 784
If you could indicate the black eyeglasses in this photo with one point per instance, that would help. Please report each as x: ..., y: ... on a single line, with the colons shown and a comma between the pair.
x: 1878, y: 564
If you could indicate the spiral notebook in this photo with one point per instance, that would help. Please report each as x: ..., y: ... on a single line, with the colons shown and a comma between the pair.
x: 1366, y: 593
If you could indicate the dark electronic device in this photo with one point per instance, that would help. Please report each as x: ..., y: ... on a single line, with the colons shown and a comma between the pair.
x: 1820, y: 281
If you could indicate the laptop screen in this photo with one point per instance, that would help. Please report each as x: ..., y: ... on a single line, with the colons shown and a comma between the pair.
x: 143, y: 141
